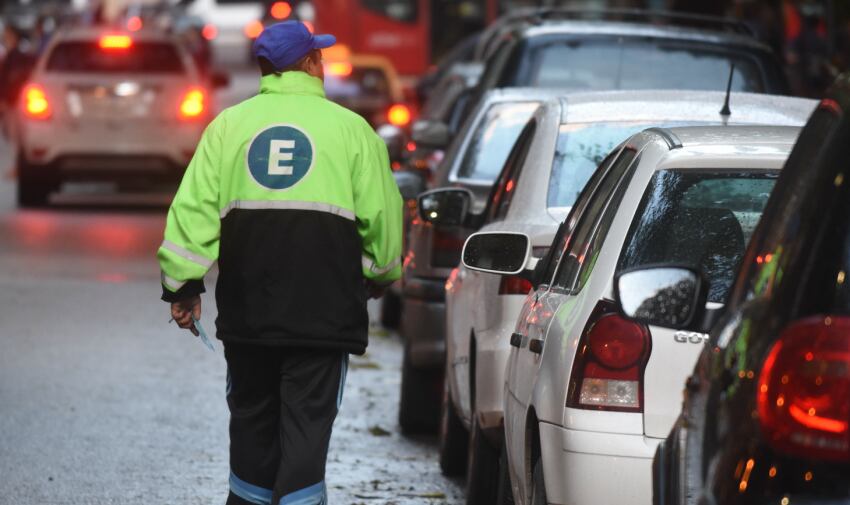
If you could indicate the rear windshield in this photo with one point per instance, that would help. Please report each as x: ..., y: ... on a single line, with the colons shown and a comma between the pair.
x: 360, y: 83
x: 700, y: 219
x: 631, y: 64
x: 140, y: 58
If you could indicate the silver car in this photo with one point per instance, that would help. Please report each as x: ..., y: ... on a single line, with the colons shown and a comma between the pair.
x: 101, y: 105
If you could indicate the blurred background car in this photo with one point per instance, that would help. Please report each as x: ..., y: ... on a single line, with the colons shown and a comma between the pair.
x: 104, y: 105
x: 765, y: 412
x: 570, y: 138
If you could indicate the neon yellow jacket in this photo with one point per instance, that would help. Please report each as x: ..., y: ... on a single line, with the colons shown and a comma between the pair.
x: 293, y: 196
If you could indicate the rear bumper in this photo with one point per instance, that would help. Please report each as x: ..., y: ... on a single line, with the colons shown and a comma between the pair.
x: 584, y: 467
x: 423, y: 322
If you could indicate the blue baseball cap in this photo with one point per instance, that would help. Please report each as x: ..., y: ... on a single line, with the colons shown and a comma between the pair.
x: 283, y: 44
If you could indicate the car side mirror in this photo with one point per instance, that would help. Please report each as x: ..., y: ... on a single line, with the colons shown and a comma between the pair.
x: 445, y: 206
x: 219, y: 79
x: 502, y: 253
x: 666, y: 296
x: 430, y: 134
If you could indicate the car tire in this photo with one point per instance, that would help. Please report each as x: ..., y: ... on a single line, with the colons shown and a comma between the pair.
x: 34, y: 187
x: 419, y: 402
x: 538, y: 485
x: 391, y: 311
x: 504, y: 492
x: 454, y: 438
x: 482, y: 470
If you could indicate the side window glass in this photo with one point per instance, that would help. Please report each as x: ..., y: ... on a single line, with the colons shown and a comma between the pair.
x: 579, y: 243
x: 559, y: 244
x: 493, y: 138
x: 503, y: 190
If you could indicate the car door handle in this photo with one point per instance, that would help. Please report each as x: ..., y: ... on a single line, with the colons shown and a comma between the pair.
x: 516, y: 340
x: 535, y: 345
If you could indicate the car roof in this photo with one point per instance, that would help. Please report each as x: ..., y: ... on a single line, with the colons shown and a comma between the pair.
x: 520, y: 95
x: 677, y: 105
x: 626, y: 29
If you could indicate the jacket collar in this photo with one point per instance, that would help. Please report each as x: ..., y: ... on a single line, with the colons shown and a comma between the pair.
x: 292, y: 83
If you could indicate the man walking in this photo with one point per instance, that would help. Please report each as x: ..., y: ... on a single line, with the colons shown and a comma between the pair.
x: 293, y: 196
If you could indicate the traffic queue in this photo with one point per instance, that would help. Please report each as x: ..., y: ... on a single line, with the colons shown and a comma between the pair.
x: 620, y: 210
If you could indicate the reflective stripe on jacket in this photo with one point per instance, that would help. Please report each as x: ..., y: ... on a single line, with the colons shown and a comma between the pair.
x: 293, y: 196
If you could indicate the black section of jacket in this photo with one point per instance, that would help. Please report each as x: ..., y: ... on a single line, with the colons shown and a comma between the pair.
x: 291, y: 278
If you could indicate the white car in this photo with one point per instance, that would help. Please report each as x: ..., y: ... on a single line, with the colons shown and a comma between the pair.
x: 589, y: 395
x: 101, y: 105
x: 551, y: 164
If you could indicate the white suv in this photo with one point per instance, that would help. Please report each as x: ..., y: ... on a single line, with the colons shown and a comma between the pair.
x: 101, y: 105
x: 589, y: 395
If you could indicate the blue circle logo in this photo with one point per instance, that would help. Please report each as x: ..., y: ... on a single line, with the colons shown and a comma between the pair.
x: 280, y: 156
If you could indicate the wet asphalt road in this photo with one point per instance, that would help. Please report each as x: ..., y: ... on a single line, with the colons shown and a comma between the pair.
x: 103, y: 402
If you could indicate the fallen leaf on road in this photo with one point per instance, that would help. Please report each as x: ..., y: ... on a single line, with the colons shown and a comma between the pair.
x: 377, y: 431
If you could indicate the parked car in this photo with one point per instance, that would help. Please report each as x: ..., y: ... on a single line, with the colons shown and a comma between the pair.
x: 607, y: 50
x: 570, y: 137
x: 473, y: 160
x: 589, y: 395
x: 102, y: 105
x: 766, y: 410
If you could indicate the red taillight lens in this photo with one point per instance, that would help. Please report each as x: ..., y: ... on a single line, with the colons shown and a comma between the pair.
x: 399, y: 115
x: 803, y: 389
x: 280, y: 10
x: 514, y: 285
x: 35, y: 103
x: 209, y: 32
x: 193, y: 104
x: 253, y: 29
x: 134, y: 23
x: 609, y: 366
x: 115, y: 42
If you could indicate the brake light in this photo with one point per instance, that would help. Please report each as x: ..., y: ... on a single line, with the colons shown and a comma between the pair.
x: 339, y: 68
x: 192, y: 105
x: 514, y: 285
x: 209, y: 32
x: 35, y: 102
x: 803, y: 389
x: 253, y: 29
x: 610, y: 363
x: 280, y: 10
x: 134, y: 24
x: 115, y: 42
x: 399, y: 115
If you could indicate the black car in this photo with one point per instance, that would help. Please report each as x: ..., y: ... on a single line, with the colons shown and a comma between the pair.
x: 766, y: 413
x: 625, y: 49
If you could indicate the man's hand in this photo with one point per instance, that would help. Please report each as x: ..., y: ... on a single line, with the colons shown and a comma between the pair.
x: 183, y: 311
x: 375, y: 289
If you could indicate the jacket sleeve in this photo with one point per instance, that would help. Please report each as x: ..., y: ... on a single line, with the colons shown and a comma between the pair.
x: 378, y: 208
x: 193, y: 225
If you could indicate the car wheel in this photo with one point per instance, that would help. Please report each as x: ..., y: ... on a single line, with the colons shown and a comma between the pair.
x: 483, y: 469
x: 419, y: 405
x: 33, y: 187
x: 453, y: 437
x: 504, y: 492
x: 538, y: 486
x: 391, y: 311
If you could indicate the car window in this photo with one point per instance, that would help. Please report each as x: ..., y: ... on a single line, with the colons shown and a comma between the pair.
x: 702, y: 219
x: 575, y: 255
x: 580, y: 149
x: 559, y: 244
x: 360, y: 82
x: 139, y: 58
x: 503, y: 191
x: 628, y: 63
x: 493, y: 139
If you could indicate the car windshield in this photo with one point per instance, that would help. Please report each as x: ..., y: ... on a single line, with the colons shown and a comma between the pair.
x: 701, y: 219
x: 629, y: 64
x: 139, y: 58
x: 494, y: 138
x: 581, y: 148
x: 361, y: 82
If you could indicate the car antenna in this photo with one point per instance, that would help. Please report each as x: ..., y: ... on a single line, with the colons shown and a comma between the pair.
x: 726, y: 111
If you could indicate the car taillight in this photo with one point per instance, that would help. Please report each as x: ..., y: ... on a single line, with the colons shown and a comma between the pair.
x: 803, y: 389
x: 514, y: 285
x: 609, y: 365
x: 35, y: 102
x: 280, y: 10
x: 253, y: 29
x: 209, y: 31
x: 446, y: 248
x: 115, y: 42
x: 134, y: 23
x: 193, y: 104
x: 399, y: 115
x: 339, y: 68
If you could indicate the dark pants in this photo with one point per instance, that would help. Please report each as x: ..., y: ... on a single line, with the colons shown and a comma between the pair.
x: 283, y: 402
